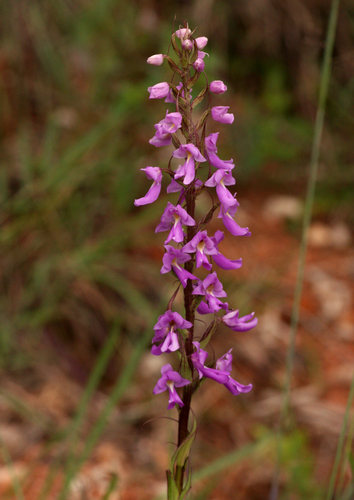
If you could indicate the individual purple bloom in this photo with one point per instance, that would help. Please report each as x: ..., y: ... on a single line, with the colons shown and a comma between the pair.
x: 172, y: 260
x: 172, y: 219
x: 187, y: 170
x: 201, y: 42
x: 227, y: 214
x: 199, y: 65
x: 222, y: 178
x: 156, y: 59
x: 221, y: 372
x: 169, y: 380
x: 165, y: 332
x: 155, y: 174
x: 202, y: 54
x: 159, y: 90
x: 220, y: 259
x: 165, y: 128
x: 220, y: 114
x: 224, y: 364
x: 198, y: 359
x: 211, y: 288
x: 202, y: 246
x: 243, y: 324
x: 211, y: 150
x: 183, y: 33
x: 217, y: 87
x: 174, y: 187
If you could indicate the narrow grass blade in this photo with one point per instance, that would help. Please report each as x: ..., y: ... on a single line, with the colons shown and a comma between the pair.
x: 10, y: 467
x: 111, y: 487
x: 337, y: 458
x: 323, y: 93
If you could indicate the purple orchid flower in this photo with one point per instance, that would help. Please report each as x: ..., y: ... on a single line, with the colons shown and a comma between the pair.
x: 165, y: 128
x: 202, y: 246
x: 187, y: 170
x: 168, y: 381
x: 165, y: 332
x: 221, y: 179
x: 172, y: 219
x: 172, y: 260
x: 202, y: 54
x: 212, y: 288
x: 174, y: 187
x: 243, y: 324
x: 159, y: 90
x: 221, y: 372
x: 227, y: 214
x: 225, y: 364
x: 198, y: 359
x: 211, y: 150
x: 153, y: 173
x: 219, y: 258
x: 220, y: 114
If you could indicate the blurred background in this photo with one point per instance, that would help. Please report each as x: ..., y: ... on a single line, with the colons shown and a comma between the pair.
x: 80, y: 281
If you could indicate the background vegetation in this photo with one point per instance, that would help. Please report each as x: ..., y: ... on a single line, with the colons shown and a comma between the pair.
x: 79, y: 264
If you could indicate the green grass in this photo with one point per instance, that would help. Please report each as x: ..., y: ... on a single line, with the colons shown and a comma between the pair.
x: 75, y: 125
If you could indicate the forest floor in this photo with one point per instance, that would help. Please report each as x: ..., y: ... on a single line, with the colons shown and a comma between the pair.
x: 133, y: 446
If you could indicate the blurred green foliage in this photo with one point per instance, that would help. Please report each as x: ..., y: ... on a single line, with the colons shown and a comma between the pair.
x: 74, y: 131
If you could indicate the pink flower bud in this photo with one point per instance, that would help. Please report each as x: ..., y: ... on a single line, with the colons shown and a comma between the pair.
x: 217, y: 87
x: 159, y: 90
x: 156, y: 60
x: 187, y: 44
x: 183, y: 33
x: 199, y: 65
x: 201, y: 42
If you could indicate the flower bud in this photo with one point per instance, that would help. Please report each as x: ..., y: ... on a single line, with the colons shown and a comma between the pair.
x: 217, y: 87
x: 199, y: 65
x: 159, y: 90
x: 183, y: 33
x: 187, y: 44
x: 201, y: 42
x: 156, y: 60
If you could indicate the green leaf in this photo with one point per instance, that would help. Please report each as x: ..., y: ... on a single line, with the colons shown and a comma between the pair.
x: 209, y: 332
x: 202, y: 119
x: 182, y: 453
x: 172, y: 490
x: 175, y: 46
x: 173, y: 66
x: 187, y: 486
x: 197, y: 301
x: 199, y: 97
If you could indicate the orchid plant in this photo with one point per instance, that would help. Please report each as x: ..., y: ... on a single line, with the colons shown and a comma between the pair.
x: 191, y: 255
